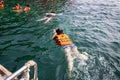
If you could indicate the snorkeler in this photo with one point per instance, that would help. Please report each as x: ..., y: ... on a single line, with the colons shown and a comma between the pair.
x: 70, y: 49
x: 48, y: 17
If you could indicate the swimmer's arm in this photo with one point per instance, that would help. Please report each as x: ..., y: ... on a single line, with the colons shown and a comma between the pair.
x: 48, y: 19
x: 42, y: 19
x: 53, y: 14
x: 54, y: 34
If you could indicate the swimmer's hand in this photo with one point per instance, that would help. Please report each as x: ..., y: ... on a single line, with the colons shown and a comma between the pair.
x: 54, y: 33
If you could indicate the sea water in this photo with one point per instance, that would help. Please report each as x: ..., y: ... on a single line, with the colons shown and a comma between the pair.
x: 93, y: 26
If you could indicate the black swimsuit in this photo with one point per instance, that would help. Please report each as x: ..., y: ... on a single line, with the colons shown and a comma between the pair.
x: 49, y: 15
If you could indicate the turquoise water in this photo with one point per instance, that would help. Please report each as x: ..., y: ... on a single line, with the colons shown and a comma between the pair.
x: 93, y: 25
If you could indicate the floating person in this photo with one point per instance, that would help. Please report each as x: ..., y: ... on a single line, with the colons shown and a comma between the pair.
x: 70, y: 49
x: 27, y: 8
x: 1, y: 5
x: 48, y: 16
x: 17, y: 8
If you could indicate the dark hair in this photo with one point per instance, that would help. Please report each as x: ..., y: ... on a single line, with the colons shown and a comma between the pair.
x: 17, y: 4
x: 52, y: 12
x: 28, y: 5
x: 59, y: 31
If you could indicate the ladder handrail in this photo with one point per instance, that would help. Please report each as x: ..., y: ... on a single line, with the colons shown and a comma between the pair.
x: 22, y: 69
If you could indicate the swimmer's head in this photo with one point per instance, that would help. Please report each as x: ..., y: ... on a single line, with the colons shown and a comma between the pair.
x: 59, y: 31
x: 28, y: 5
x: 17, y: 4
x: 52, y: 12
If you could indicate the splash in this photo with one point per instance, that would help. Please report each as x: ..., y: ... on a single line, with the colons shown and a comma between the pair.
x: 73, y: 57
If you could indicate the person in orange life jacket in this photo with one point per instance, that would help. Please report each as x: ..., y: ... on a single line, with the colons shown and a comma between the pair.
x: 17, y: 7
x: 1, y: 5
x: 70, y: 49
x: 27, y: 8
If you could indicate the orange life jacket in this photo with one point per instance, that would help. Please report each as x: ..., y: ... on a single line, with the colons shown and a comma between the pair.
x: 17, y: 7
x: 1, y: 6
x: 27, y: 9
x: 63, y: 39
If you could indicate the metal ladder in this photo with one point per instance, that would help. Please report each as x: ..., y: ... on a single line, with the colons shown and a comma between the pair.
x: 24, y: 71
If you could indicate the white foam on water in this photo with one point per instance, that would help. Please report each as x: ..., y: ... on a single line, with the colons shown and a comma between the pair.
x: 71, y: 57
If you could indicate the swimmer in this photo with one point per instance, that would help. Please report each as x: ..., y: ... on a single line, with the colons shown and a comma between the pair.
x: 1, y: 5
x: 17, y: 8
x: 65, y: 42
x: 48, y: 17
x: 27, y: 8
